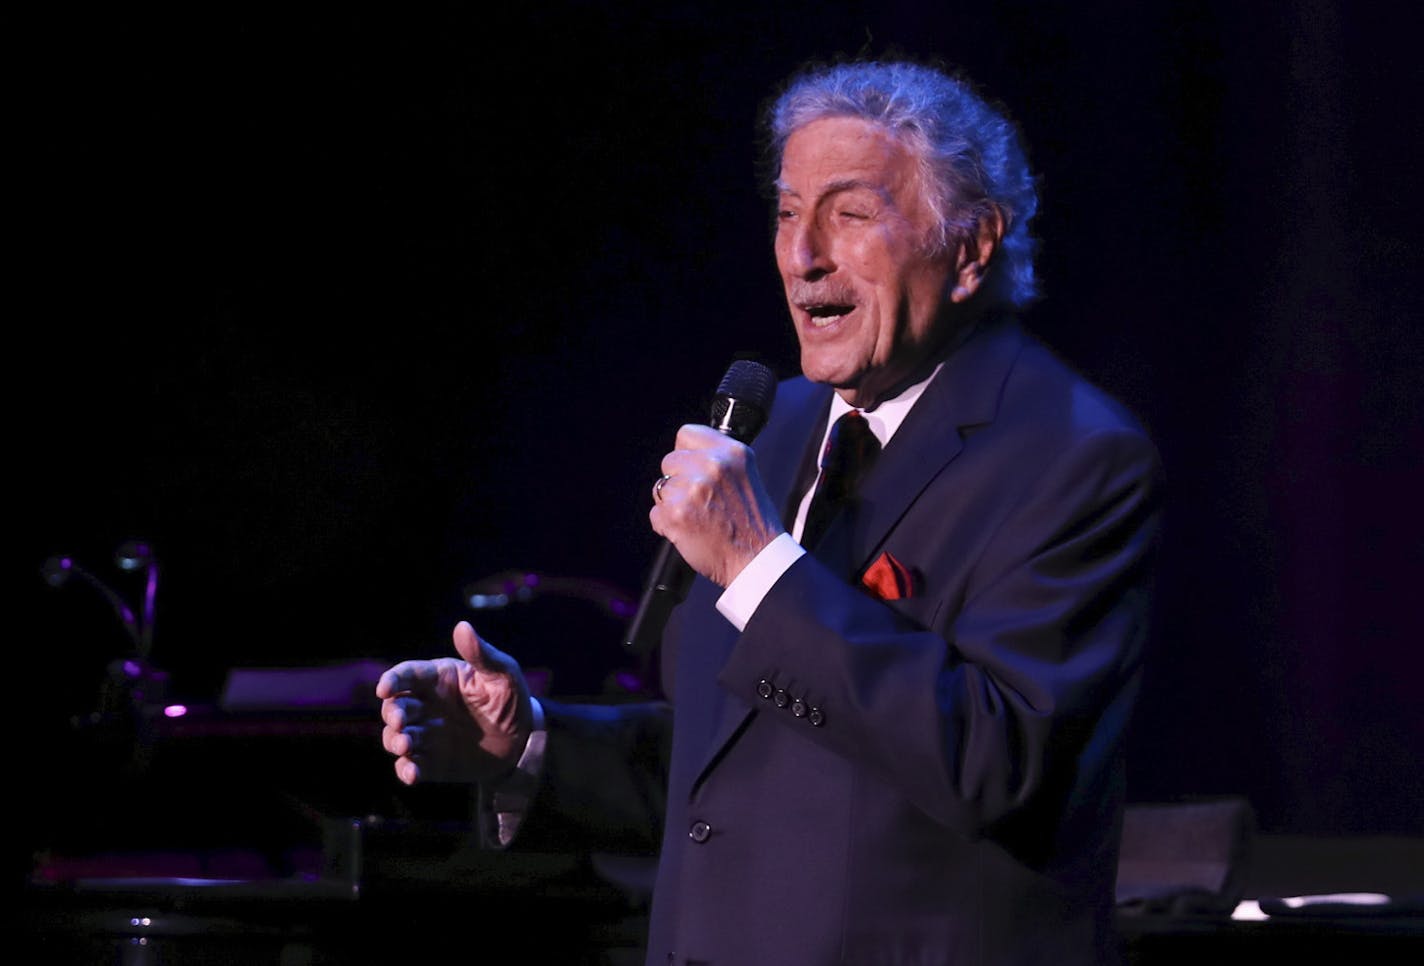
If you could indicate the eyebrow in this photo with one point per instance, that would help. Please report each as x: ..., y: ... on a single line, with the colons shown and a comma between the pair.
x: 835, y: 187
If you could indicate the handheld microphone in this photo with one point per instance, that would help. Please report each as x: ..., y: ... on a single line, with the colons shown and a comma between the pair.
x: 739, y: 410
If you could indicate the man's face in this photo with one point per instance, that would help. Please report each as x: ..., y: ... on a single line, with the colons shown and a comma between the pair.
x: 865, y: 287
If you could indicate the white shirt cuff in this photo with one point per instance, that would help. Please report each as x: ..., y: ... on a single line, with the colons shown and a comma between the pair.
x: 744, y: 594
x: 509, y: 801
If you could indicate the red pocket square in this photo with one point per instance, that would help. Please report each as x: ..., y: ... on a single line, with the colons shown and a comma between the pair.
x: 888, y: 579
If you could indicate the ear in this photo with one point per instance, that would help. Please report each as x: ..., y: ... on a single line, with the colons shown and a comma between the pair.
x: 976, y: 249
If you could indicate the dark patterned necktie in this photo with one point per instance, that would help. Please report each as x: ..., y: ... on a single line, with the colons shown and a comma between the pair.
x: 849, y: 451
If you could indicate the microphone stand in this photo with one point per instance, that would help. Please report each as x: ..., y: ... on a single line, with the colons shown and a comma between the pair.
x: 132, y: 687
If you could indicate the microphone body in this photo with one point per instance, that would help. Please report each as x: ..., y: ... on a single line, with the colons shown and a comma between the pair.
x: 739, y: 410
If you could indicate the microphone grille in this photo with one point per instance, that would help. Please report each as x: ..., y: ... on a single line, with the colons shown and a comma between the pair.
x: 749, y: 382
x: 744, y: 399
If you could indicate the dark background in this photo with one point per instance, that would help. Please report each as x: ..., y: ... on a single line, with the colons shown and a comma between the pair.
x: 343, y: 308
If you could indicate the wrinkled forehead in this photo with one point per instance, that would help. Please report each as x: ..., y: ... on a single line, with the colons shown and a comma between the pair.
x: 842, y: 153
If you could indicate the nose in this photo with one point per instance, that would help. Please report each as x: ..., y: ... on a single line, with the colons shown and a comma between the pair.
x: 807, y: 251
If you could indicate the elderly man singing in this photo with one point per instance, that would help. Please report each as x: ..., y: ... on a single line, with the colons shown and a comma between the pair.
x: 895, y: 719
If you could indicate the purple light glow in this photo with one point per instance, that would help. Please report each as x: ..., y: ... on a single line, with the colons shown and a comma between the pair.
x: 175, y: 711
x: 150, y: 591
x: 132, y: 669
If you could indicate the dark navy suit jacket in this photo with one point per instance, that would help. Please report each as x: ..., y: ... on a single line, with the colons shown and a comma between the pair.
x: 934, y: 779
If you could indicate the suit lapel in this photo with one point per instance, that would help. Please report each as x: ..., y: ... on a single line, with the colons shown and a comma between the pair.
x: 787, y: 451
x: 964, y: 394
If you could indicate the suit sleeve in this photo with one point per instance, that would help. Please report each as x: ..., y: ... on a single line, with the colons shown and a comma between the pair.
x: 1010, y: 683
x: 603, y: 784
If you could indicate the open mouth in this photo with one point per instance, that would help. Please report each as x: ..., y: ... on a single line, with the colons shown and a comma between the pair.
x: 826, y: 313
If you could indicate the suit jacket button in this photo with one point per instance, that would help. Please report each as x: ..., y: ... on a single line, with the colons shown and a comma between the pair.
x: 817, y: 717
x: 798, y: 708
x: 764, y: 688
x: 781, y: 698
x: 699, y: 832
